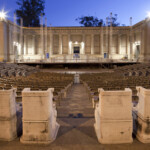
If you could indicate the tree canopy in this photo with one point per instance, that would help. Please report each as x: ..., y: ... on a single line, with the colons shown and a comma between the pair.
x: 91, y: 21
x: 30, y: 11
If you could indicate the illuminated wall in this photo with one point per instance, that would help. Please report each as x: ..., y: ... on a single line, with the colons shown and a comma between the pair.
x: 19, y: 43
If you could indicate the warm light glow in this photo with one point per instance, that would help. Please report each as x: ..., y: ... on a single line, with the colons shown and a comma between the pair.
x: 76, y: 42
x: 70, y: 44
x: 3, y: 15
x: 148, y: 14
x: 18, y: 45
x: 82, y: 43
x: 137, y: 43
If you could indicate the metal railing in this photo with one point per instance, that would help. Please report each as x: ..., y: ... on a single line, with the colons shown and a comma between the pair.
x: 75, y: 60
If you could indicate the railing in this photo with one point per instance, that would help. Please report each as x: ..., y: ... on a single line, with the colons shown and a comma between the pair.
x: 75, y: 60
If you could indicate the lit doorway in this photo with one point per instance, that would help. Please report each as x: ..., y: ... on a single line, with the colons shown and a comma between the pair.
x: 137, y: 51
x: 105, y: 55
x: 76, y: 52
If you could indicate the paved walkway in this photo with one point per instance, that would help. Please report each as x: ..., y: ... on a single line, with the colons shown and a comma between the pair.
x: 76, y: 104
x: 75, y: 116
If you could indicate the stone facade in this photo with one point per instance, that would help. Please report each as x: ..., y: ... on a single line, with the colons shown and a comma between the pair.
x: 68, y: 43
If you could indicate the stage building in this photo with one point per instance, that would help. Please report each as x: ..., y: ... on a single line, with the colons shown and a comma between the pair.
x: 74, y: 44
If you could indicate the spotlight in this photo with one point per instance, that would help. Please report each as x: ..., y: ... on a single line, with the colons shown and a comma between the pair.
x: 3, y: 15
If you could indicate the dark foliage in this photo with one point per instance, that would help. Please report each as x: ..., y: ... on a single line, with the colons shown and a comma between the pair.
x: 91, y: 21
x: 30, y: 11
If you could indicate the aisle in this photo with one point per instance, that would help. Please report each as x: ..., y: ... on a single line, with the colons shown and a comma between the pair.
x: 76, y: 104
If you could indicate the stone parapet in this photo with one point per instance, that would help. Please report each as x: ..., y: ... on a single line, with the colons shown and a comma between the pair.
x: 113, y: 117
x: 8, y: 118
x: 141, y: 116
x: 39, y: 117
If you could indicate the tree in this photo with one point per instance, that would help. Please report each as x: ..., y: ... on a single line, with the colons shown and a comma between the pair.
x: 30, y: 11
x: 90, y: 21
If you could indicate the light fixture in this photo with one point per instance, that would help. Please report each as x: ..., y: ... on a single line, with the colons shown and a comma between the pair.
x: 137, y: 43
x: 3, y: 15
x: 82, y: 43
x: 148, y: 14
x: 76, y: 42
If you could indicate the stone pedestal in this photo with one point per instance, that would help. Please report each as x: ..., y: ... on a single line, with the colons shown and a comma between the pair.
x: 113, y: 117
x: 76, y: 79
x: 39, y: 117
x: 3, y: 41
x: 141, y: 116
x: 8, y: 119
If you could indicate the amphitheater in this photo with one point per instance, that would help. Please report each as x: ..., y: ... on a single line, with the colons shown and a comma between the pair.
x: 101, y: 104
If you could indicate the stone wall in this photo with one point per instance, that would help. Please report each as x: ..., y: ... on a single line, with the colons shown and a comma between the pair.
x: 34, y: 43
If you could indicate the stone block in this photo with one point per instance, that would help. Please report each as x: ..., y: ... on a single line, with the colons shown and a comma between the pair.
x: 76, y: 79
x: 39, y: 117
x: 113, y: 117
x: 8, y: 118
x: 141, y: 128
x: 114, y: 131
x: 141, y: 116
x: 37, y: 105
x: 8, y: 129
x: 7, y: 103
x: 143, y: 106
x: 115, y: 104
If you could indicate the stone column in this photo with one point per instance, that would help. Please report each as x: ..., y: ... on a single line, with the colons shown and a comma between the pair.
x: 83, y: 46
x: 92, y: 44
x: 146, y: 35
x: 69, y: 44
x: 3, y: 41
x: 107, y: 38
x: 110, y: 40
x: 127, y: 43
x: 142, y: 42
x: 10, y: 42
x: 119, y: 44
x: 25, y: 45
x: 60, y: 44
x: 33, y: 44
x: 51, y: 44
x: 101, y: 41
x: 21, y: 36
x: 131, y: 43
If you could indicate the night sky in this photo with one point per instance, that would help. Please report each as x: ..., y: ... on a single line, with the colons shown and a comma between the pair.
x: 64, y: 12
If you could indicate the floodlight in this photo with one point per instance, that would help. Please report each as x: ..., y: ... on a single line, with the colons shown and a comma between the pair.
x: 3, y: 15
